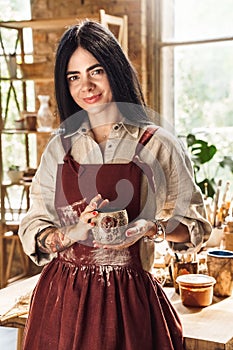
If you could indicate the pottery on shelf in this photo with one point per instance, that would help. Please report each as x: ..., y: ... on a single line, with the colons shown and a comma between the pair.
x: 15, y: 175
x: 45, y: 117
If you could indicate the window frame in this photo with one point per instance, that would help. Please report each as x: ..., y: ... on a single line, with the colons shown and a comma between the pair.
x: 161, y: 78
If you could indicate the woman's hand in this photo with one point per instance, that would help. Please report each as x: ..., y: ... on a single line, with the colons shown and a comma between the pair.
x: 134, y: 232
x: 55, y: 239
x: 79, y: 232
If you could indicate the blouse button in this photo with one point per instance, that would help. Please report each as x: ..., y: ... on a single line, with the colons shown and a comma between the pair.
x: 116, y: 127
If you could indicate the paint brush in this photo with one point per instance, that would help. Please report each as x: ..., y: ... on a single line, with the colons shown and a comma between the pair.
x: 216, y: 200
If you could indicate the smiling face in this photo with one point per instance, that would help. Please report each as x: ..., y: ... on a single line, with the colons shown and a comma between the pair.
x: 88, y: 81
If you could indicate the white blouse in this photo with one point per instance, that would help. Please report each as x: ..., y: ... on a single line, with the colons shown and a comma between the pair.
x: 176, y: 194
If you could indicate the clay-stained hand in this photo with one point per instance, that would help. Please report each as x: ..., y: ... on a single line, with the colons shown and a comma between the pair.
x: 79, y: 232
x: 55, y: 239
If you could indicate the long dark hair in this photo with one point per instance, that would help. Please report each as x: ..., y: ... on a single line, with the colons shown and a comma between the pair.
x: 123, y: 80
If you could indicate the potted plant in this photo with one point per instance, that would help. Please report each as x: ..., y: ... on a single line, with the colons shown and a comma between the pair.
x: 201, y: 154
x: 14, y: 173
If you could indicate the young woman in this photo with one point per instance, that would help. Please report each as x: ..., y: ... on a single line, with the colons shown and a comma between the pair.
x: 109, y: 154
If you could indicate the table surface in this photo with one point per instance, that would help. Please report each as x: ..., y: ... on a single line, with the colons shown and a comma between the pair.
x: 9, y: 297
x: 209, y: 325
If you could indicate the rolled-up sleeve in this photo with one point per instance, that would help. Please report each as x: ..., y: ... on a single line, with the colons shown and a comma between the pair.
x: 42, y: 209
x: 183, y: 200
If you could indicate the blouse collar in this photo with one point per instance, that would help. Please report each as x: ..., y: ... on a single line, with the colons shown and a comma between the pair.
x: 84, y: 129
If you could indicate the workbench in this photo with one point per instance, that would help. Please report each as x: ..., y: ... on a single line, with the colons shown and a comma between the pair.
x: 208, y: 328
x: 12, y: 313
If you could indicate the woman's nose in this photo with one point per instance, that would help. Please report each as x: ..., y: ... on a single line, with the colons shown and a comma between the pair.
x: 86, y: 85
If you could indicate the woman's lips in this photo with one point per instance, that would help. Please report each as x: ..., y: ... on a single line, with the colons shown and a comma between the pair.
x: 92, y: 99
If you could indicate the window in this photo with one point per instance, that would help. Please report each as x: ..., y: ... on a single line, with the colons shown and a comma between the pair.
x: 195, y: 45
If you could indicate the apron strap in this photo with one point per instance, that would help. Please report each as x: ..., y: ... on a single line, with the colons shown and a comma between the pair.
x: 66, y: 143
x: 145, y: 138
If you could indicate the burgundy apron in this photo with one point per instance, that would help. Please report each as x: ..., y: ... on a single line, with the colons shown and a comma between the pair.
x: 83, y: 301
x: 120, y: 183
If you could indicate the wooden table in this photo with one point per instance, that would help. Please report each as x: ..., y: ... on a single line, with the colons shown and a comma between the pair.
x: 209, y: 328
x: 9, y: 296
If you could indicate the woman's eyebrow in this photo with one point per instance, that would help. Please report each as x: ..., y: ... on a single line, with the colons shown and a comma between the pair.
x: 88, y: 69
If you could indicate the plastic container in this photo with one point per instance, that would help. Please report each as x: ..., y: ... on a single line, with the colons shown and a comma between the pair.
x: 196, y: 289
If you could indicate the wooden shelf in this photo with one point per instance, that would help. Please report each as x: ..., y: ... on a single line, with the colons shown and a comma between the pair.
x: 20, y: 183
x: 25, y: 131
x: 12, y: 241
x: 36, y: 79
x: 45, y: 23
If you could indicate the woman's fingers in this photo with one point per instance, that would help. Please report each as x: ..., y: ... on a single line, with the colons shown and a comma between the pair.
x: 103, y: 203
x: 96, y: 203
x: 91, y: 209
x: 139, y: 227
x: 87, y: 216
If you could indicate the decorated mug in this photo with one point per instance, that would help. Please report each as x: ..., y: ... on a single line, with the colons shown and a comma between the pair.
x: 110, y: 226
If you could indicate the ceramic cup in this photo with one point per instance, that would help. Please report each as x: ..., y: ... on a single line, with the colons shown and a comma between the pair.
x: 220, y: 266
x: 110, y: 226
x: 31, y: 122
x: 183, y: 268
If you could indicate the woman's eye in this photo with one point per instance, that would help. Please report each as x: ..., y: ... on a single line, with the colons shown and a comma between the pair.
x: 72, y: 78
x: 96, y: 72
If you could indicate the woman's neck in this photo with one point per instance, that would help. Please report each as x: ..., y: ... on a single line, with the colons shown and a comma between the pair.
x: 101, y: 133
x: 102, y: 122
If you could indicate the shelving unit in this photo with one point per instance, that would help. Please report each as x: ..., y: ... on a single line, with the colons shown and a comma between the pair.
x: 10, y: 216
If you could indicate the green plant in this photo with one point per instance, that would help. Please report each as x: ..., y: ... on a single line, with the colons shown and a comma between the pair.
x: 201, y: 154
x: 14, y: 167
